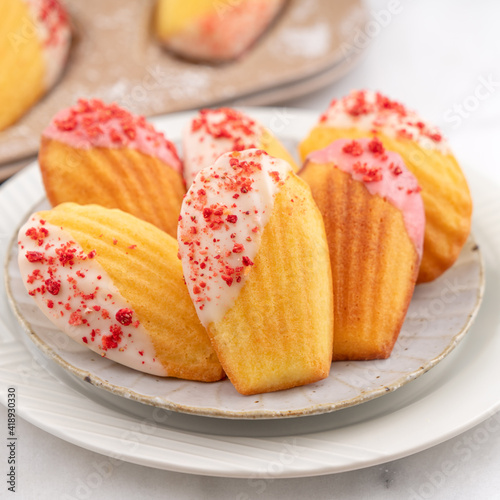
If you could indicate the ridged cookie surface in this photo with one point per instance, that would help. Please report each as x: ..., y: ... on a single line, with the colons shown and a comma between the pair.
x: 95, y: 153
x: 278, y: 334
x: 113, y: 178
x: 114, y: 283
x: 446, y: 196
x: 255, y: 258
x: 374, y: 223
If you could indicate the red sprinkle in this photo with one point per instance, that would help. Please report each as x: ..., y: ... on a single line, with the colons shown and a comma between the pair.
x: 35, y: 256
x: 238, y: 248
x: 353, y: 148
x: 88, y: 116
x: 246, y: 261
x: 53, y: 286
x: 124, y: 316
x: 376, y: 146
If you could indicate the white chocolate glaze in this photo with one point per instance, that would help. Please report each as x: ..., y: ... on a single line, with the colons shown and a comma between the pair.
x: 213, y: 132
x: 54, y: 32
x: 220, y: 227
x: 371, y: 111
x: 74, y: 291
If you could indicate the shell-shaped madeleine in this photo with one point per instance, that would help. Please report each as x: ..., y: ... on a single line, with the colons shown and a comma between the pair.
x: 256, y: 263
x: 374, y: 223
x: 95, y: 153
x: 446, y: 196
x: 204, y: 30
x: 213, y: 132
x: 114, y: 283
x: 278, y: 334
x: 34, y: 43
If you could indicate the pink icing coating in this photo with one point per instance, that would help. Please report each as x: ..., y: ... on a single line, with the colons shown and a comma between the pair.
x: 92, y: 123
x: 383, y: 173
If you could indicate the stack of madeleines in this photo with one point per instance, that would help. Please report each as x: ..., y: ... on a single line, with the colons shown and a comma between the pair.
x: 235, y: 262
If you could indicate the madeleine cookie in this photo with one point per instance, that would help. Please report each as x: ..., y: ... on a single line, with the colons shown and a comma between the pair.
x: 374, y: 220
x: 100, y: 153
x: 213, y: 31
x: 213, y: 132
x: 35, y: 38
x: 255, y: 259
x: 447, y: 200
x: 114, y: 283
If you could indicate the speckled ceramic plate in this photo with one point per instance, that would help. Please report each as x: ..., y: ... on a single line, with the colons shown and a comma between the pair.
x: 439, y: 316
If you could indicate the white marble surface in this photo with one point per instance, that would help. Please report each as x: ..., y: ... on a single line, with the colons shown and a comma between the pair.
x: 442, y: 58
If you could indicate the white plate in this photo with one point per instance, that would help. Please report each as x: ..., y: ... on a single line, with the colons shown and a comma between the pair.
x: 439, y: 315
x: 458, y: 393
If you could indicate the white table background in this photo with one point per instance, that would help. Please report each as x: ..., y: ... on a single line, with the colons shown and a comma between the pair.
x: 443, y: 59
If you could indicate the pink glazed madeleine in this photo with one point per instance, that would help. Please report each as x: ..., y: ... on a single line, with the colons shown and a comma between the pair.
x: 374, y: 220
x: 425, y: 152
x: 100, y: 153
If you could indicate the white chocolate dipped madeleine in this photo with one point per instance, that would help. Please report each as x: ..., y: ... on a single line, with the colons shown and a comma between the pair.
x: 213, y: 132
x: 114, y: 283
x: 255, y: 260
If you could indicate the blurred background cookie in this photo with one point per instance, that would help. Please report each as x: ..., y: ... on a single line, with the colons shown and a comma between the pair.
x: 213, y: 31
x: 35, y: 38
